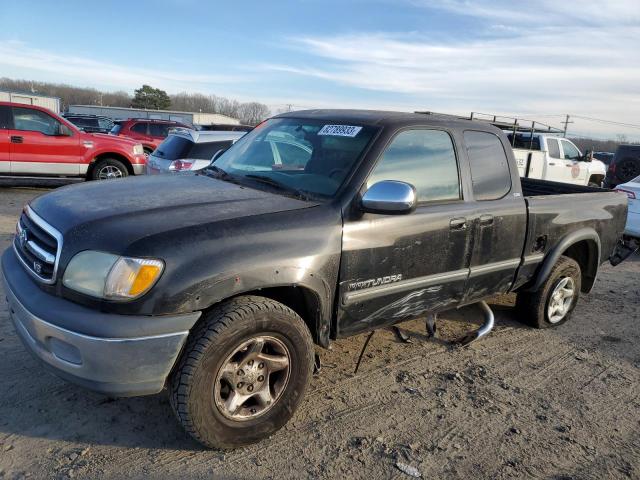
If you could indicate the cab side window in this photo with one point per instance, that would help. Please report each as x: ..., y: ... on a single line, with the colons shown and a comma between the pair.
x: 489, y: 167
x: 570, y: 151
x: 140, y: 128
x: 158, y: 129
x: 424, y: 158
x: 554, y: 148
x: 27, y: 119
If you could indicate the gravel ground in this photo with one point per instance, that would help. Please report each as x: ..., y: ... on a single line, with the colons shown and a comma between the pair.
x: 522, y: 403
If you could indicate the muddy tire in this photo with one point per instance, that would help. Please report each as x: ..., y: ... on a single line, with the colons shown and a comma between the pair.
x: 553, y: 303
x: 243, y: 372
x: 109, y: 169
x: 627, y: 169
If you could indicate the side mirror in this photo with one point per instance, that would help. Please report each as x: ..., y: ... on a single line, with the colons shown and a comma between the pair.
x: 389, y: 197
x: 588, y: 156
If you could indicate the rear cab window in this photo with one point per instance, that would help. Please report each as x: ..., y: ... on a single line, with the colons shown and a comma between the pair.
x: 490, y: 173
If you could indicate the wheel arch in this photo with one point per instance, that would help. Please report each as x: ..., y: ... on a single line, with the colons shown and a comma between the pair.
x: 583, y: 246
x: 106, y: 155
x: 303, y: 300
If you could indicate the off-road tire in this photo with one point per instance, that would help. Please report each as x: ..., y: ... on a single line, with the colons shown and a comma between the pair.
x: 532, y: 307
x: 109, y: 163
x: 215, y: 337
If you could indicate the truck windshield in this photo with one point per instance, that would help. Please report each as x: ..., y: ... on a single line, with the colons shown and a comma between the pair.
x: 301, y: 155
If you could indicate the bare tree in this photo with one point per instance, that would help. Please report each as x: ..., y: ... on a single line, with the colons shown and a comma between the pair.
x: 252, y: 113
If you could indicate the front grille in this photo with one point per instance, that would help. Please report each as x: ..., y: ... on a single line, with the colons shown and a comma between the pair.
x: 38, y: 246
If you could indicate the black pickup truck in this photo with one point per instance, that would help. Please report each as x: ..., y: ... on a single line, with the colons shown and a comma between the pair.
x: 314, y: 226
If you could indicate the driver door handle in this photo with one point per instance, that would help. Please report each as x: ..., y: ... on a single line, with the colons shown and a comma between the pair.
x: 16, y: 139
x: 486, y: 220
x: 459, y: 223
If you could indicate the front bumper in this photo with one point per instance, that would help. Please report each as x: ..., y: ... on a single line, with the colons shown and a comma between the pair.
x: 119, y: 355
x: 139, y: 168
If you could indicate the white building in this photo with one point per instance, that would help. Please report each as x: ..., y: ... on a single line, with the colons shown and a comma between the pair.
x: 120, y: 113
x: 52, y: 103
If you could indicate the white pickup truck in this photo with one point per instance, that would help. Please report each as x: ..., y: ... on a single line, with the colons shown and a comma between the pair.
x: 550, y: 157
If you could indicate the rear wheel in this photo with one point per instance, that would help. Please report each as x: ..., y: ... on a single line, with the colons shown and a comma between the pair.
x: 243, y: 372
x: 109, y: 169
x: 553, y: 303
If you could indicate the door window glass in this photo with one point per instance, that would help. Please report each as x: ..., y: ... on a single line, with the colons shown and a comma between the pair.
x: 27, y: 119
x: 554, y: 148
x: 158, y: 129
x: 140, y: 128
x: 424, y: 158
x: 489, y: 167
x: 570, y: 151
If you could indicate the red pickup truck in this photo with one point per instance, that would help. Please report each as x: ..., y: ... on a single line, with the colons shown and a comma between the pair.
x: 35, y: 141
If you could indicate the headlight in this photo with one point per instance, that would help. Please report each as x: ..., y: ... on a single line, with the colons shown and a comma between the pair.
x: 138, y: 149
x: 111, y: 277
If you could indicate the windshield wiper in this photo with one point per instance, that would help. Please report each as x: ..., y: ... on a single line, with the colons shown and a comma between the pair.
x: 276, y: 184
x: 220, y: 173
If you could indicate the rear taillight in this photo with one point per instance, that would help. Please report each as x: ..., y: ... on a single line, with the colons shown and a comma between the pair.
x: 629, y: 194
x: 180, y: 165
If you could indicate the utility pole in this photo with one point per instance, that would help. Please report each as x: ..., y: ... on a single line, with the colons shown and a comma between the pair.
x: 566, y: 125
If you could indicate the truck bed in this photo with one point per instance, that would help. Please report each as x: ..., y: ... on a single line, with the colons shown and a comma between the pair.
x: 535, y: 188
x: 556, y: 210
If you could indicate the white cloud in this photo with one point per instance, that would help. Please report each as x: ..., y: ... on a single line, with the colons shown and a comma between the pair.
x: 543, y: 57
x: 80, y: 71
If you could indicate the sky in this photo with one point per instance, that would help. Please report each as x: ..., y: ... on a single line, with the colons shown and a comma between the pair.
x: 536, y: 59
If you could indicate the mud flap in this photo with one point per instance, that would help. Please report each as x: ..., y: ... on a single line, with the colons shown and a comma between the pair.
x: 624, y: 249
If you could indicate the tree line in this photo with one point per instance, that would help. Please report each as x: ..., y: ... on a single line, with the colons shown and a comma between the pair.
x: 249, y: 113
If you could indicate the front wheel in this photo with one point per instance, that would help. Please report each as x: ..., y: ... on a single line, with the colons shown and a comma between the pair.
x: 553, y: 303
x: 109, y: 169
x: 243, y: 372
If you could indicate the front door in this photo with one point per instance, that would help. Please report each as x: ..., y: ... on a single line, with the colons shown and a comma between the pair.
x: 576, y: 168
x: 556, y: 165
x: 397, y: 267
x: 37, y: 147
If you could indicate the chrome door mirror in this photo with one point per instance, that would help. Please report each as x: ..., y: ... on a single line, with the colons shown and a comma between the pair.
x: 389, y: 197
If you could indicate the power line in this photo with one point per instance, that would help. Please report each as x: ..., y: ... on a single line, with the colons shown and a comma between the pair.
x: 609, y: 122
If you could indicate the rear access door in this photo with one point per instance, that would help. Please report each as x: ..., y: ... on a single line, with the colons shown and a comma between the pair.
x: 500, y: 218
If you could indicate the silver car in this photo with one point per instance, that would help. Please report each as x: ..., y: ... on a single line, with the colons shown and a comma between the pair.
x: 189, y: 150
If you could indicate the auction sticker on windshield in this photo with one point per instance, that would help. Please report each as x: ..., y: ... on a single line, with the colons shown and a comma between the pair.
x: 340, y: 130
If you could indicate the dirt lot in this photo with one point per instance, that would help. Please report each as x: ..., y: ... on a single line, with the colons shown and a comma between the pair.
x: 562, y: 403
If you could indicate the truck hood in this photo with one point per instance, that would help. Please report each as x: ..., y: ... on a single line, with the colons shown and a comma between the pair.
x: 144, y: 206
x: 115, y: 138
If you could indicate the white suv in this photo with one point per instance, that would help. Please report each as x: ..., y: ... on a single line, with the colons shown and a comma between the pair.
x: 189, y: 150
